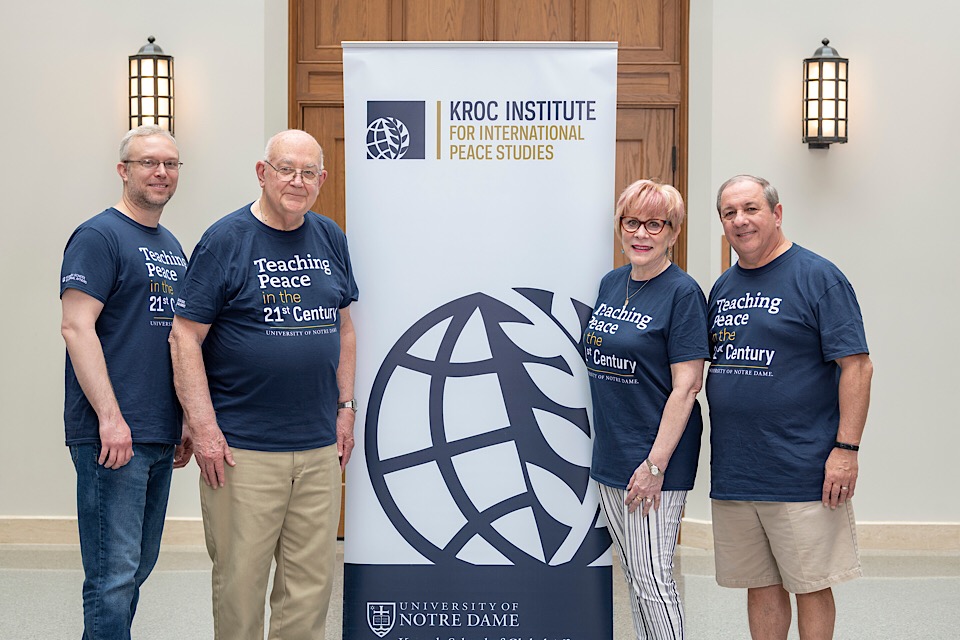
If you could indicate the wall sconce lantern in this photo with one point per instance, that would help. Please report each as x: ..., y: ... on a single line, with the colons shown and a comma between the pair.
x: 824, y: 98
x: 151, y: 87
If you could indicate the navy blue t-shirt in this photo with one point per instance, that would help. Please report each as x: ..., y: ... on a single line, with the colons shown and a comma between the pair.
x: 273, y: 301
x: 136, y: 272
x: 629, y: 350
x: 772, y: 385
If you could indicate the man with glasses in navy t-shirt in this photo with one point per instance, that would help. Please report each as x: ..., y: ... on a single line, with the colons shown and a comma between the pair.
x: 120, y: 277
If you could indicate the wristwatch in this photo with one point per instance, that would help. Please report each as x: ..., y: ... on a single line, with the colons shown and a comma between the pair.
x: 654, y: 469
x: 349, y: 404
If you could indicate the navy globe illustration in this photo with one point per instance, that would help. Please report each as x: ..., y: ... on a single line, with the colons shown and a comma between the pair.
x: 478, y: 438
x: 387, y: 138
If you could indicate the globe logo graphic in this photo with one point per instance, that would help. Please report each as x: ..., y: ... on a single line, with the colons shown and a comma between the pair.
x: 477, y: 435
x: 387, y: 139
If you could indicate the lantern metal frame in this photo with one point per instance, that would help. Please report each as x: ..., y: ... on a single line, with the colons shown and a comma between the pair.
x: 151, y: 87
x: 824, y: 116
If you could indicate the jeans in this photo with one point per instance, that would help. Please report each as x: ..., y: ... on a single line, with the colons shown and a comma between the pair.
x: 120, y: 513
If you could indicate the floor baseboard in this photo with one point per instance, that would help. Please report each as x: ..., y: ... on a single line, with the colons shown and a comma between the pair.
x: 698, y: 534
x: 871, y: 536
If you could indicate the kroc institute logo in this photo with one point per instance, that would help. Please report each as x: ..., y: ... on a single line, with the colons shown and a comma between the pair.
x: 477, y: 434
x: 395, y: 130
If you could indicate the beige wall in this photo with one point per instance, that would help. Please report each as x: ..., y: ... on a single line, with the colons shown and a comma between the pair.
x: 63, y: 114
x: 877, y: 206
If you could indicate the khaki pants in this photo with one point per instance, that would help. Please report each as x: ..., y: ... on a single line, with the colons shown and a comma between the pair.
x: 285, y: 506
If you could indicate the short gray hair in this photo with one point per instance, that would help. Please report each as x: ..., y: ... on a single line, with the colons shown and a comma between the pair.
x: 143, y: 131
x: 769, y: 191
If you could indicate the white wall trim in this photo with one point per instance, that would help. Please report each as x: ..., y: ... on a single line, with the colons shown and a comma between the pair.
x: 697, y: 534
x: 59, y: 530
x: 871, y: 536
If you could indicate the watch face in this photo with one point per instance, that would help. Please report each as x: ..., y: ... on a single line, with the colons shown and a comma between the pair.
x: 654, y: 469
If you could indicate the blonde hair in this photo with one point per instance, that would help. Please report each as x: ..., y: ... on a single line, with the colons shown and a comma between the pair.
x: 649, y: 198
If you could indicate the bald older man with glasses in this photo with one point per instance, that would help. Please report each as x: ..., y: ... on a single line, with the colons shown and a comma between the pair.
x: 264, y: 356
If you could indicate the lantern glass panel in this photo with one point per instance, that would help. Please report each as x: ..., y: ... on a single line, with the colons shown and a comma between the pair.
x: 812, y: 129
x: 813, y: 89
x: 163, y: 67
x: 163, y: 87
x: 842, y: 90
x: 843, y: 128
x: 146, y: 69
x: 133, y: 67
x: 829, y: 90
x: 842, y: 109
x: 134, y: 103
x: 842, y: 70
x: 813, y: 109
x: 146, y: 107
x: 829, y: 128
x: 164, y: 104
x: 133, y: 87
x: 813, y: 71
x: 829, y: 70
x: 829, y: 109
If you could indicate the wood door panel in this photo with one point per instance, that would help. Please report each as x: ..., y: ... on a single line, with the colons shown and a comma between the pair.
x: 441, y: 20
x: 547, y: 20
x: 649, y: 84
x: 324, y: 24
x: 646, y: 30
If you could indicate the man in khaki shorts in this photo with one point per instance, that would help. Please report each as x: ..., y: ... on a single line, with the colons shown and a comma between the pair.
x: 788, y: 387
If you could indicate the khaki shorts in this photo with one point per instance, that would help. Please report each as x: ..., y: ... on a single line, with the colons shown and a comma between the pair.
x: 804, y: 546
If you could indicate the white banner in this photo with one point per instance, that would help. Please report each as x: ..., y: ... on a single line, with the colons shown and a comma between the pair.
x: 479, y: 182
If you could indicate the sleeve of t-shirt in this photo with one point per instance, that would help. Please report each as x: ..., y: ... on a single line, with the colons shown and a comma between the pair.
x: 89, y: 264
x: 688, y: 338
x: 204, y: 289
x: 841, y: 323
x: 352, y: 293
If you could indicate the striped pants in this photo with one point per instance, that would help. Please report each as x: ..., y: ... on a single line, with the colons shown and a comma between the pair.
x: 645, y: 547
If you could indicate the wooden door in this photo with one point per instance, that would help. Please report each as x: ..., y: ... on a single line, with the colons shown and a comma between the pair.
x: 651, y: 71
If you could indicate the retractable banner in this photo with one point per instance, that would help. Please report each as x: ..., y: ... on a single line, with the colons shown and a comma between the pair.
x: 479, y: 182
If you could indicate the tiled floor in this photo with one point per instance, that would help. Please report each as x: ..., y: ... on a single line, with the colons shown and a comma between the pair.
x: 901, y: 596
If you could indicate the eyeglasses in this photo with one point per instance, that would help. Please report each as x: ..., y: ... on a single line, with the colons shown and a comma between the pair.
x: 150, y: 164
x: 287, y: 174
x: 653, y: 226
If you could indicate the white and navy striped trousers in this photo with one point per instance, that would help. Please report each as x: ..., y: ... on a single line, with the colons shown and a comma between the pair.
x: 646, y: 547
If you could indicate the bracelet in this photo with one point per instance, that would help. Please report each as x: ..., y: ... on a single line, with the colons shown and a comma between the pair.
x: 844, y: 445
